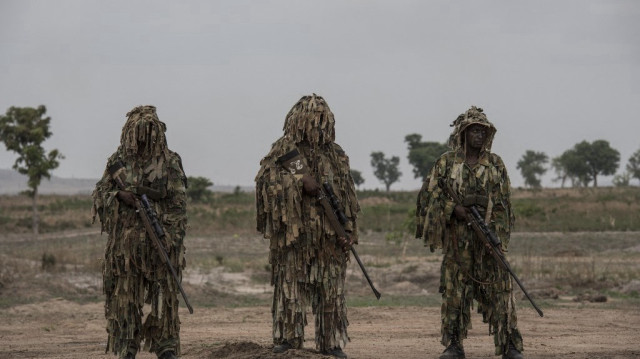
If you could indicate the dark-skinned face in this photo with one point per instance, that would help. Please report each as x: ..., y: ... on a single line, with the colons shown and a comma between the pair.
x: 475, y: 135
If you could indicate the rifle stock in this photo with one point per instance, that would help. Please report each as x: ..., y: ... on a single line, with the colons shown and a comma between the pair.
x: 490, y: 240
x: 333, y: 212
x: 294, y: 162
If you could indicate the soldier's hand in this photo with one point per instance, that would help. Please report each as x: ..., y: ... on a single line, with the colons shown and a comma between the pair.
x: 345, y: 243
x: 309, y: 185
x: 461, y: 212
x: 127, y: 197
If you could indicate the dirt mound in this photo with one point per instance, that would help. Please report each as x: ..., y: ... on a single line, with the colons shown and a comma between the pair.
x: 250, y: 350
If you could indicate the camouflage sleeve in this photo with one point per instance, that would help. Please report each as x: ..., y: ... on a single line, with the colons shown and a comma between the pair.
x: 105, y: 204
x: 502, y: 218
x: 278, y: 199
x: 438, y: 207
x: 349, y: 196
x: 421, y: 207
x: 175, y: 216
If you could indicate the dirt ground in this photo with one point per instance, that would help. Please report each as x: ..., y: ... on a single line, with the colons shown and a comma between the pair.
x: 63, y: 329
x: 228, y: 282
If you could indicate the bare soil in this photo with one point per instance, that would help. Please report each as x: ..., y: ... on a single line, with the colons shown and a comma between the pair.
x: 60, y: 314
x: 62, y: 329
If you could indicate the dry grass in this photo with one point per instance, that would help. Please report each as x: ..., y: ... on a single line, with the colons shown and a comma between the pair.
x: 227, y: 258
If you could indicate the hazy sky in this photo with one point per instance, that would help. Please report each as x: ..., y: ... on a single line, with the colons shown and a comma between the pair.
x: 223, y: 75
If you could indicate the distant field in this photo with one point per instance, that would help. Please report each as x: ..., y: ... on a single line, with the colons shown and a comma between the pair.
x: 567, y: 241
x: 548, y: 210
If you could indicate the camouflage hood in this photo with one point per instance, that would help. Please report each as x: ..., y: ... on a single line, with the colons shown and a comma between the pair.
x: 145, y: 132
x: 474, y: 115
x: 310, y: 119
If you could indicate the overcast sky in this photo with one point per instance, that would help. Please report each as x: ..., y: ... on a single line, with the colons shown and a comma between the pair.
x: 223, y: 75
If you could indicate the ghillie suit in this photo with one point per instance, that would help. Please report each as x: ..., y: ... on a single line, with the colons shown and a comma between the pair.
x: 307, y: 265
x: 468, y: 270
x: 133, y: 272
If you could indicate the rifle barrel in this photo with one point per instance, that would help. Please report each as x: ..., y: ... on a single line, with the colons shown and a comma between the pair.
x: 485, y: 234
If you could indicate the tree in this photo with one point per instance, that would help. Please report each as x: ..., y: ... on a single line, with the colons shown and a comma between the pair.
x: 23, y: 130
x: 599, y: 157
x: 621, y: 180
x: 198, y: 189
x: 585, y: 161
x: 570, y: 165
x: 422, y: 155
x: 633, y: 166
x: 357, y: 178
x: 531, y: 166
x: 385, y: 169
x: 561, y: 171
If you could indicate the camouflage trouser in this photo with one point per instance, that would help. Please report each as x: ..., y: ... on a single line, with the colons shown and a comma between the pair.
x: 126, y: 296
x: 470, y: 274
x: 291, y: 298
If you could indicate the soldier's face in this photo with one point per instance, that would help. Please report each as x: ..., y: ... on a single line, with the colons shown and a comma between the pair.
x: 475, y: 135
x: 147, y: 132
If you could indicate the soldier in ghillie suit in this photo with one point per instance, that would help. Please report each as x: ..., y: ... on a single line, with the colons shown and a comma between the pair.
x: 308, y: 262
x: 134, y: 273
x: 468, y: 272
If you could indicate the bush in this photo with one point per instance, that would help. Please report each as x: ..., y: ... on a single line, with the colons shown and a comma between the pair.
x: 48, y: 261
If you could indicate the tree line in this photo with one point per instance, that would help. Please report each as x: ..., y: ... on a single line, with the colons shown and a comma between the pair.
x: 24, y: 129
x: 581, y: 165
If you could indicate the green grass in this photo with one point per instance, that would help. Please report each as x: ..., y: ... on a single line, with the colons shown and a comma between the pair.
x: 583, y: 209
x: 564, y: 210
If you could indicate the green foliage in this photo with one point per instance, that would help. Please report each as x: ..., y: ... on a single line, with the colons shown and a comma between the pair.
x: 235, y: 198
x: 633, y: 166
x: 527, y: 209
x: 385, y: 169
x: 580, y: 209
x: 559, y: 167
x: 398, y: 196
x: 386, y: 217
x: 23, y: 130
x: 68, y: 203
x: 357, y: 177
x: 600, y: 158
x: 622, y: 180
x: 585, y: 161
x: 531, y: 166
x: 422, y: 155
x: 571, y: 165
x: 198, y: 189
x: 48, y: 261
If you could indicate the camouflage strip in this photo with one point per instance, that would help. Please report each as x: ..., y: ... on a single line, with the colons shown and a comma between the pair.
x: 307, y: 267
x: 134, y: 276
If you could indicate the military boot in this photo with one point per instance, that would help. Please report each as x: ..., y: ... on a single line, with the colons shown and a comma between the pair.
x: 168, y: 355
x: 454, y: 350
x: 512, y: 353
x: 282, y: 347
x: 336, y: 352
